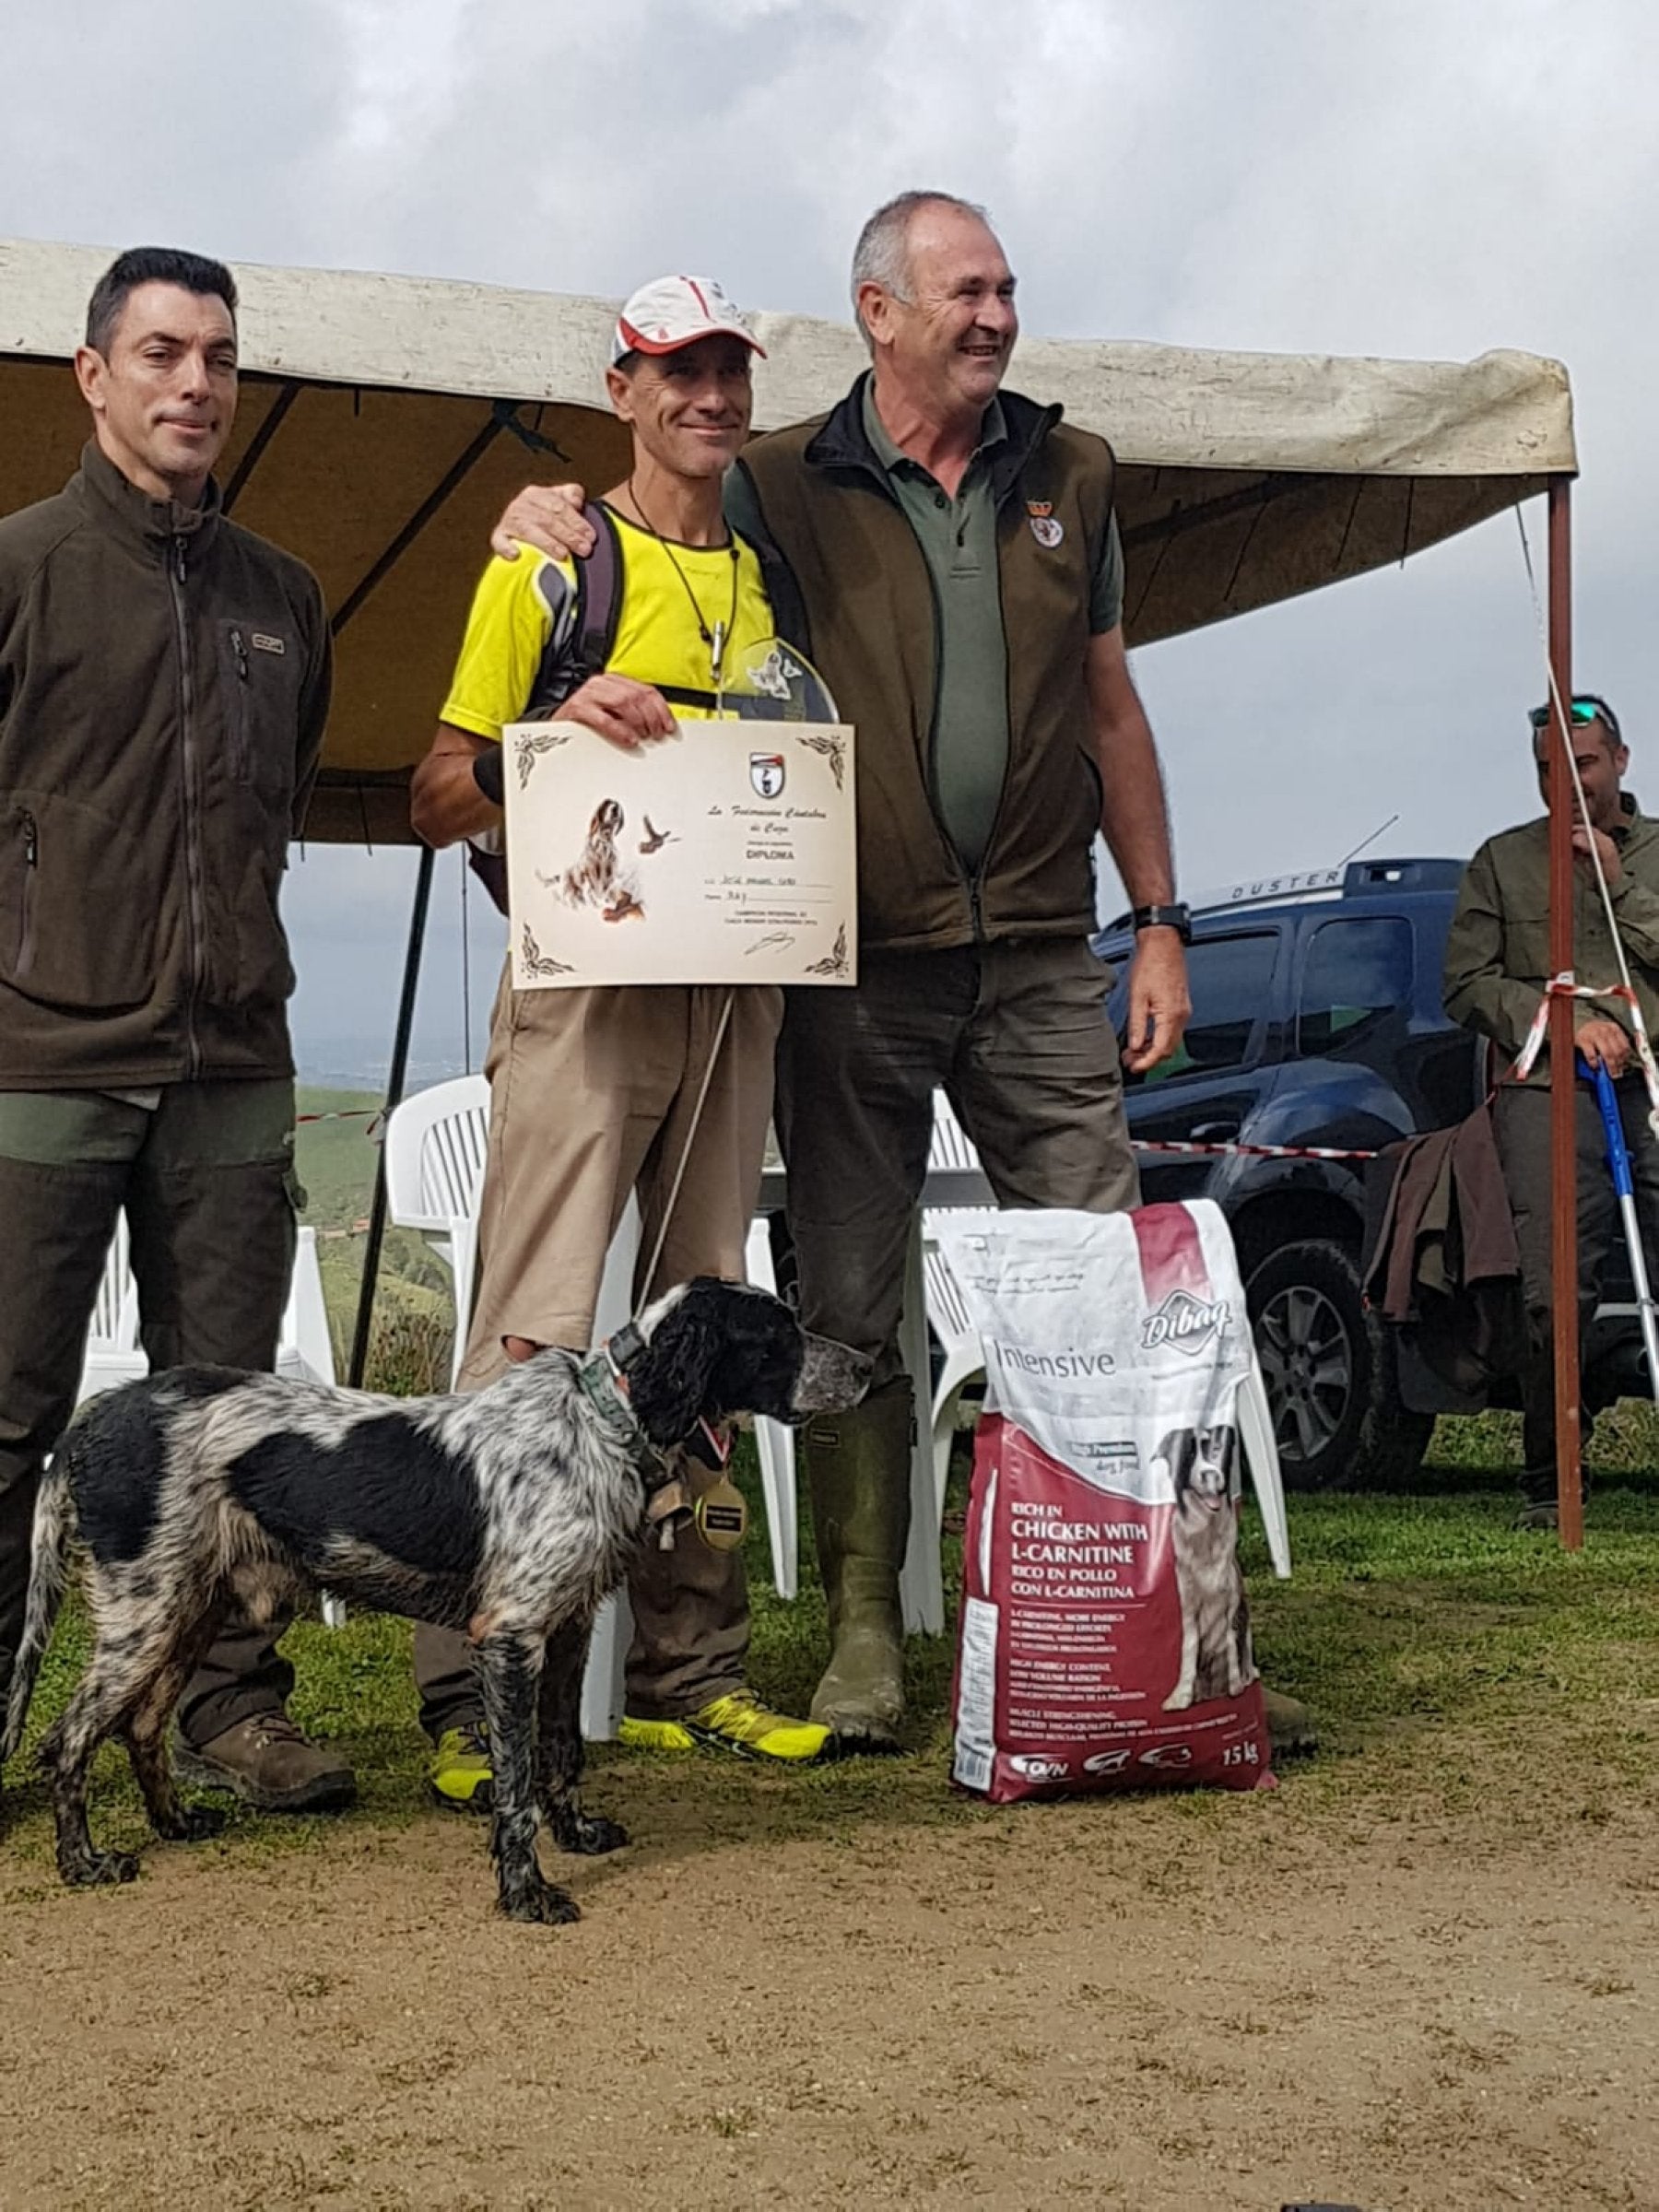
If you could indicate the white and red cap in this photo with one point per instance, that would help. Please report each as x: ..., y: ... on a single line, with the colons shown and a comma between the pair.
x: 672, y: 312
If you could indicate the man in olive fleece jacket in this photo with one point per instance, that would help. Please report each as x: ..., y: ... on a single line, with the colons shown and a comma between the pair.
x: 164, y: 680
x: 1496, y: 965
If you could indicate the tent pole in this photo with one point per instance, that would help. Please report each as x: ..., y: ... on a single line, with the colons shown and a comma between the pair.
x: 395, y: 1088
x: 1562, y: 1077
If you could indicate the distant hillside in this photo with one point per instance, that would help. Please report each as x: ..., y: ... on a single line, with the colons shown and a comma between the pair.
x: 336, y: 1162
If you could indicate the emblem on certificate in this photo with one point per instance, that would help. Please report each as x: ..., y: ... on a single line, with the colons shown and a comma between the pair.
x: 723, y: 854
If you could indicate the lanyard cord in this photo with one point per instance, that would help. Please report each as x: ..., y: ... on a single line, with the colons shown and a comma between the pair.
x: 719, y: 637
x: 679, y: 1174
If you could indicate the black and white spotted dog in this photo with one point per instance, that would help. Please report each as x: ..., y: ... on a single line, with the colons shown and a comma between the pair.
x: 510, y: 1512
x: 1216, y: 1657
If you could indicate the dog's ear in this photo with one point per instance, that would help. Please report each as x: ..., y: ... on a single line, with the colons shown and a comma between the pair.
x: 669, y: 1386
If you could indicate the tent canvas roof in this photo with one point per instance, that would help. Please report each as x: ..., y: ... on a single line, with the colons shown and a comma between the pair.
x: 384, y: 421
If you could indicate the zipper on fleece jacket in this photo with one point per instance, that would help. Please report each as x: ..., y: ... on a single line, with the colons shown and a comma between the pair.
x: 31, y: 862
x: 188, y: 764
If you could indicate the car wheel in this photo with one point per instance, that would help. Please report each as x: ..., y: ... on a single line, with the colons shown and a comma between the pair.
x: 1329, y: 1371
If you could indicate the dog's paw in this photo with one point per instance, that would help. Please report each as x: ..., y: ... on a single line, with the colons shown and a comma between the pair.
x: 542, y: 1903
x: 93, y: 1869
x: 588, y: 1835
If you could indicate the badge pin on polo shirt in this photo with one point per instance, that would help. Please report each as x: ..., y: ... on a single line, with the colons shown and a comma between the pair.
x: 1046, y: 527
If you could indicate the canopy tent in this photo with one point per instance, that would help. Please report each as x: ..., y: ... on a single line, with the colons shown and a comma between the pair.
x: 385, y: 420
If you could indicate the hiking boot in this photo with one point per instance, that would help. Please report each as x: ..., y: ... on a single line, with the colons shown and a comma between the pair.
x: 1291, y: 1728
x: 738, y: 1722
x: 1539, y: 1513
x: 859, y: 1469
x: 267, y: 1763
x: 459, y: 1774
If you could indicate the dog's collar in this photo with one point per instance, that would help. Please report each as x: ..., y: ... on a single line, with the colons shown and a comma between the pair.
x: 623, y: 1347
x: 670, y: 1498
x: 604, y: 1380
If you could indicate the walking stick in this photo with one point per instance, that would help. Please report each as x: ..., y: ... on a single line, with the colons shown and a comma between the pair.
x: 1618, y: 1165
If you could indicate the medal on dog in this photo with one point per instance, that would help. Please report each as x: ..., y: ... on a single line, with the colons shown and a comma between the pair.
x: 721, y: 1515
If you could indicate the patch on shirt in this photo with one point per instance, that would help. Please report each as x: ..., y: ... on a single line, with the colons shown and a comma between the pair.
x: 1045, y: 528
x: 263, y: 642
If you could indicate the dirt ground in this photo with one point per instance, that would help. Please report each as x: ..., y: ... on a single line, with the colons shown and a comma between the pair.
x: 1380, y: 1997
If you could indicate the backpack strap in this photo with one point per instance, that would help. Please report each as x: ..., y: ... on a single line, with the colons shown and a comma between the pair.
x: 598, y: 596
x: 598, y: 611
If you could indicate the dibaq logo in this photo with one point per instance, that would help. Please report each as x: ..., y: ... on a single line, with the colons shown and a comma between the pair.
x: 1189, y: 1324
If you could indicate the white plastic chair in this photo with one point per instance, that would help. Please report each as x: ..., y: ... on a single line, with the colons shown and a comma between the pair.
x: 113, y: 1353
x: 1261, y: 1456
x: 947, y: 1313
x: 305, y: 1349
x: 965, y: 1359
x: 931, y: 1295
x: 435, y: 1145
x: 958, y: 1341
x: 774, y: 1443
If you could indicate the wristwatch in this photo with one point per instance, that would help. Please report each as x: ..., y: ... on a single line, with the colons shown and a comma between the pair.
x: 1176, y: 916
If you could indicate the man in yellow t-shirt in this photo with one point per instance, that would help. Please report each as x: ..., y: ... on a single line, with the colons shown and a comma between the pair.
x: 592, y: 1092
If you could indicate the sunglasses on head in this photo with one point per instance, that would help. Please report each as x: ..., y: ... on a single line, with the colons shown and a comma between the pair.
x: 1586, y: 707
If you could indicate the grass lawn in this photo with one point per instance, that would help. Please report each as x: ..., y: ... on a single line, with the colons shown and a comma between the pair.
x: 1455, y: 1664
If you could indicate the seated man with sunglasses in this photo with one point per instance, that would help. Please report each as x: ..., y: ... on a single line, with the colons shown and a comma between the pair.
x: 1496, y: 965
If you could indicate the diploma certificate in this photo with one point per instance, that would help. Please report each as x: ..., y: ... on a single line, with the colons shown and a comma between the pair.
x: 723, y: 854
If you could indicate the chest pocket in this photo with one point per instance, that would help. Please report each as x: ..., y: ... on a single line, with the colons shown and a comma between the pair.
x: 259, y: 682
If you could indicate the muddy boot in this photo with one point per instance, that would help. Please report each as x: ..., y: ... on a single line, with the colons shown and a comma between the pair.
x: 1291, y: 1728
x: 859, y: 1469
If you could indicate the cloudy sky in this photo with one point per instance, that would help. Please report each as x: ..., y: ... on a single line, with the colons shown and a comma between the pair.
x: 1425, y: 178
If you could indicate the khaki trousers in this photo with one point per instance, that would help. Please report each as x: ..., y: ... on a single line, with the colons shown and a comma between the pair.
x: 1016, y: 1035
x: 207, y: 1184
x: 591, y: 1096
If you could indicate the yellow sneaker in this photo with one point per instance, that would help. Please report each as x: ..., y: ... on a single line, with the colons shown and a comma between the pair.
x: 739, y: 1721
x: 459, y: 1774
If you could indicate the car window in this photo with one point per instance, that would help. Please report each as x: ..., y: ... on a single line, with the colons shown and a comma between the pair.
x: 1228, y: 978
x: 1358, y: 971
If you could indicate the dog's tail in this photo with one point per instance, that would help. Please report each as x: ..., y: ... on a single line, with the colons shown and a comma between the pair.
x: 47, y: 1573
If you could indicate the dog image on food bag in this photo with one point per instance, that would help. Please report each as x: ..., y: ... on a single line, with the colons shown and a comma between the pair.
x: 1216, y: 1657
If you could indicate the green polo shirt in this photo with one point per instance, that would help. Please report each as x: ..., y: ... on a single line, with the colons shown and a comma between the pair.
x: 958, y: 537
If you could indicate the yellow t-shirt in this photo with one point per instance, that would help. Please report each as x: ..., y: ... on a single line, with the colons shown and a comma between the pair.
x: 519, y: 653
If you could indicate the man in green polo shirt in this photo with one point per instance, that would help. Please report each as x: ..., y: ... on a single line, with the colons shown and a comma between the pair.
x: 958, y: 537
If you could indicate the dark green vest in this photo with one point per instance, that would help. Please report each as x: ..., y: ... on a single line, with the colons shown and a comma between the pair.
x: 858, y: 594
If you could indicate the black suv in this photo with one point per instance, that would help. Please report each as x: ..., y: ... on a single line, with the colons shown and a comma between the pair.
x: 1317, y: 1021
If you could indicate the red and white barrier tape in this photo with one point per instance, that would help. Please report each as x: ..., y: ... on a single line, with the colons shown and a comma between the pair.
x: 371, y: 1114
x: 1563, y: 986
x: 1249, y: 1151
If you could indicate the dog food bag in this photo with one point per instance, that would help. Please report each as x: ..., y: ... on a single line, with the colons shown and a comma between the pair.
x: 1104, y: 1642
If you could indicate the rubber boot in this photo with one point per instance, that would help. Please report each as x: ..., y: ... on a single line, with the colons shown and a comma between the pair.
x: 858, y: 1465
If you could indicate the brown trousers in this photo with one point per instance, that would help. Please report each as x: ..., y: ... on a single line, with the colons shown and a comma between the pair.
x: 592, y: 1097
x: 1015, y: 1033
x: 207, y: 1180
